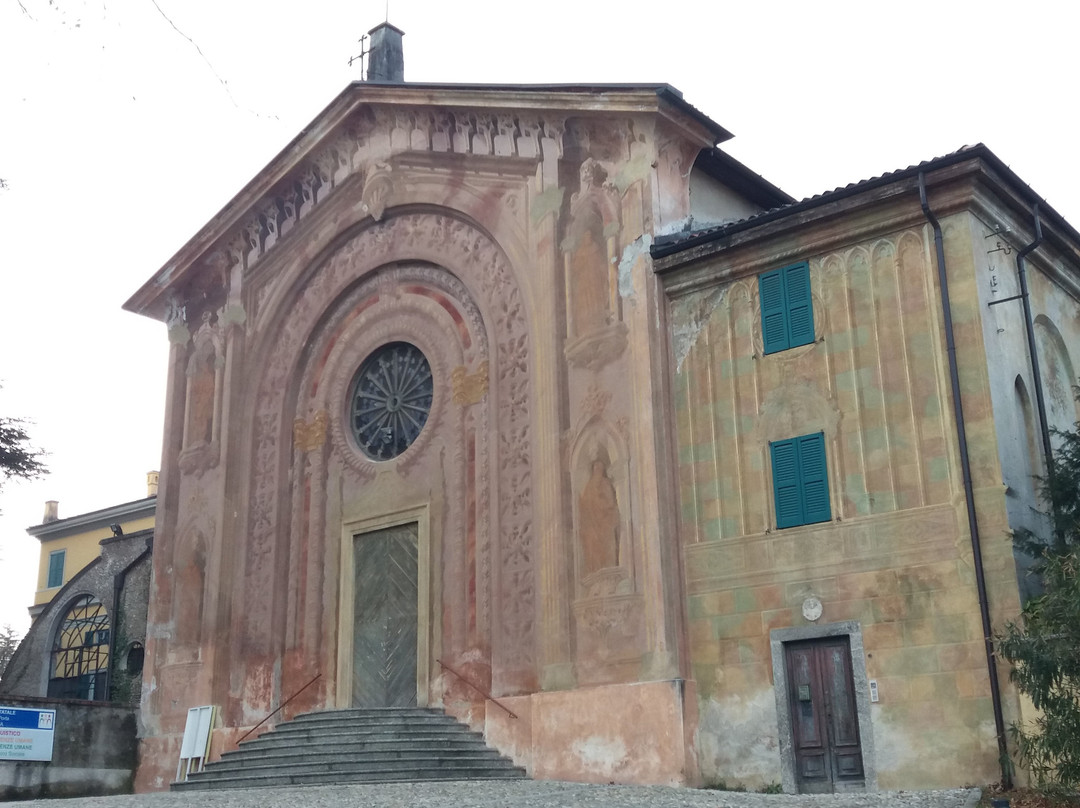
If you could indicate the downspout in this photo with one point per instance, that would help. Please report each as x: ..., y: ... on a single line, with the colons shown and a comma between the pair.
x: 1029, y: 325
x: 969, y: 493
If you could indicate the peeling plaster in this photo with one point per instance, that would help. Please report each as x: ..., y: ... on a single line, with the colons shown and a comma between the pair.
x: 689, y: 315
x: 737, y: 739
x: 601, y: 756
x: 633, y: 251
x: 233, y: 314
x: 636, y: 168
x: 550, y: 201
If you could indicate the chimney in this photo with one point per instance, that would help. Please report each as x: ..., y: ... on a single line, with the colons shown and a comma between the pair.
x: 386, y: 60
x: 151, y: 483
x: 52, y: 511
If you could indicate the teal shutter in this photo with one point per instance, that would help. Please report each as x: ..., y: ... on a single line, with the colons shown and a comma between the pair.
x: 800, y: 305
x: 800, y: 481
x: 815, y: 478
x: 786, y: 490
x: 56, y: 569
x: 773, y: 311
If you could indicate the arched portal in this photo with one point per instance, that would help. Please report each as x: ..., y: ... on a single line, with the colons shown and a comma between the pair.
x: 417, y: 286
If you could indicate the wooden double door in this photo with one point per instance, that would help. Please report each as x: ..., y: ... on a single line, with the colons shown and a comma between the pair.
x: 824, y: 717
x: 385, y: 615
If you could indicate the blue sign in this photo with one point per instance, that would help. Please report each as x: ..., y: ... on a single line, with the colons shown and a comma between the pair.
x: 26, y: 734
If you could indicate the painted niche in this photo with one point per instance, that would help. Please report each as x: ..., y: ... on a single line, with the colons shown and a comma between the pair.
x: 595, y: 332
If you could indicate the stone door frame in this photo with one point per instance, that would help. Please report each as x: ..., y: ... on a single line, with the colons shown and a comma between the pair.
x: 347, y: 576
x: 778, y: 637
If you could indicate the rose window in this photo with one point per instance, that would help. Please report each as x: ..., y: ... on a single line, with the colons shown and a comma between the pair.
x: 391, y: 400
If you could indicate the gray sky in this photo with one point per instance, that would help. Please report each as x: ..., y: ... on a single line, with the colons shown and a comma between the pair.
x: 128, y: 123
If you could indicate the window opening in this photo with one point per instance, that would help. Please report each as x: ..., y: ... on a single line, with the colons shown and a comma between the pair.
x: 80, y: 655
x: 391, y: 399
x: 800, y: 480
x: 787, y: 311
x: 56, y: 569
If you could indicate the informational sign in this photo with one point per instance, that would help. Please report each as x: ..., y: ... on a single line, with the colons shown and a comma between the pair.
x: 196, y: 744
x: 26, y: 734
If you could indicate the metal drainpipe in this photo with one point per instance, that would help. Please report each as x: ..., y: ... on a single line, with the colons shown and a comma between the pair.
x: 969, y: 493
x: 1029, y: 325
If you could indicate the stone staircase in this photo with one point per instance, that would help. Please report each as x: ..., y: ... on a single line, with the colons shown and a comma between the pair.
x: 357, y: 746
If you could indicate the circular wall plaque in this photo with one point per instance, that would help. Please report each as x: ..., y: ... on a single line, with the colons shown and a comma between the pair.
x: 390, y: 400
x: 811, y: 608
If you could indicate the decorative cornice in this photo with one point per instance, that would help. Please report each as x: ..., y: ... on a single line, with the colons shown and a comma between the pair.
x: 368, y: 124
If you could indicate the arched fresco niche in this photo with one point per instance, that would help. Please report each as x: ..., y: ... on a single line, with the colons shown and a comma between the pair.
x: 1059, y: 378
x: 607, y: 607
x: 595, y: 329
x: 1027, y: 452
x: 205, y: 369
x: 189, y: 589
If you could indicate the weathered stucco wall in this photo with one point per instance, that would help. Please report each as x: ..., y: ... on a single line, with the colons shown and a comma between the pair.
x: 633, y: 733
x: 512, y: 251
x: 896, y: 556
x: 94, y: 752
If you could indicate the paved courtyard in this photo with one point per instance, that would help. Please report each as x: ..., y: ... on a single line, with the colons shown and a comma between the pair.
x: 519, y: 794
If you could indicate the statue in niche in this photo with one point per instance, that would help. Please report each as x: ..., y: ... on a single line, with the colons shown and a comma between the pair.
x: 202, y: 401
x: 598, y: 512
x: 589, y: 278
x: 190, y: 582
x: 595, y: 329
x: 202, y: 379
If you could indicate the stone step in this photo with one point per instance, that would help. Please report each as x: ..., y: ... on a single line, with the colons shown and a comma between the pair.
x: 375, y: 716
x: 353, y: 766
x: 355, y: 746
x: 369, y: 777
x: 305, y: 757
x: 345, y: 734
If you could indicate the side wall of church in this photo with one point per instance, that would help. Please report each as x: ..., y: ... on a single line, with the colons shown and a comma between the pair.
x: 1054, y: 295
x: 892, y: 568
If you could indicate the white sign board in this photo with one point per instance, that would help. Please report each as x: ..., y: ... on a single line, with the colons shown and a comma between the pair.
x: 196, y: 744
x: 26, y: 734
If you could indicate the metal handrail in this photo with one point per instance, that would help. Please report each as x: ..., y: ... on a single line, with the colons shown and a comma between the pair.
x: 280, y: 707
x: 483, y: 693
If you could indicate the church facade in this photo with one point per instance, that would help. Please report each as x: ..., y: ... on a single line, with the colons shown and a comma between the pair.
x: 453, y: 420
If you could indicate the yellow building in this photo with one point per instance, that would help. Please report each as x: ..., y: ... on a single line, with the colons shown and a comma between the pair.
x: 68, y: 545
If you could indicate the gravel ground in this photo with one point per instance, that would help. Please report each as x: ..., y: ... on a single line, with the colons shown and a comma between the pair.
x: 520, y: 794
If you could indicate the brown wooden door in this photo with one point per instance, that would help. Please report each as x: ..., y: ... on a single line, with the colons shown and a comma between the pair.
x: 824, y: 721
x: 385, y: 618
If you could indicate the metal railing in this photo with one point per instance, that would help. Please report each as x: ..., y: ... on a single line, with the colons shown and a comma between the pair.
x: 483, y: 693
x: 280, y: 707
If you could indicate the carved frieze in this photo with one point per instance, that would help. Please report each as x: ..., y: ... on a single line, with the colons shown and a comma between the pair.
x: 367, y: 141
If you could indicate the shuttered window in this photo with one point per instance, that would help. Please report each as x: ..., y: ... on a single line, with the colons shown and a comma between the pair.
x: 800, y: 480
x: 56, y: 569
x: 787, y: 311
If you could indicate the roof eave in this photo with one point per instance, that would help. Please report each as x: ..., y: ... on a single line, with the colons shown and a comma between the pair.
x: 661, y: 99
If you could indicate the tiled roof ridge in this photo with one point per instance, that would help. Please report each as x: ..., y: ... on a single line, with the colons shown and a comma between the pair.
x: 673, y: 242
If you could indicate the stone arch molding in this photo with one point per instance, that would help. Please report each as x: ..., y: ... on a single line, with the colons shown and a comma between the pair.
x: 475, y: 261
x: 415, y: 302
